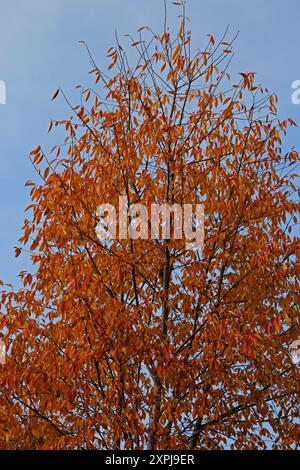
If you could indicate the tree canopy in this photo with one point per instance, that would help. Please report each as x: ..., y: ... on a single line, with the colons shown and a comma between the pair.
x: 143, y: 343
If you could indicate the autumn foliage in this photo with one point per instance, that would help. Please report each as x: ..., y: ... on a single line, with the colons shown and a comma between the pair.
x: 141, y: 343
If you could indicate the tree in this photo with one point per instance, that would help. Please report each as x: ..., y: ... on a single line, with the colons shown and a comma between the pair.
x: 142, y: 343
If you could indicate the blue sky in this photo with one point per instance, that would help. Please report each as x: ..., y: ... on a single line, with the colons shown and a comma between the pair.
x: 40, y: 50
